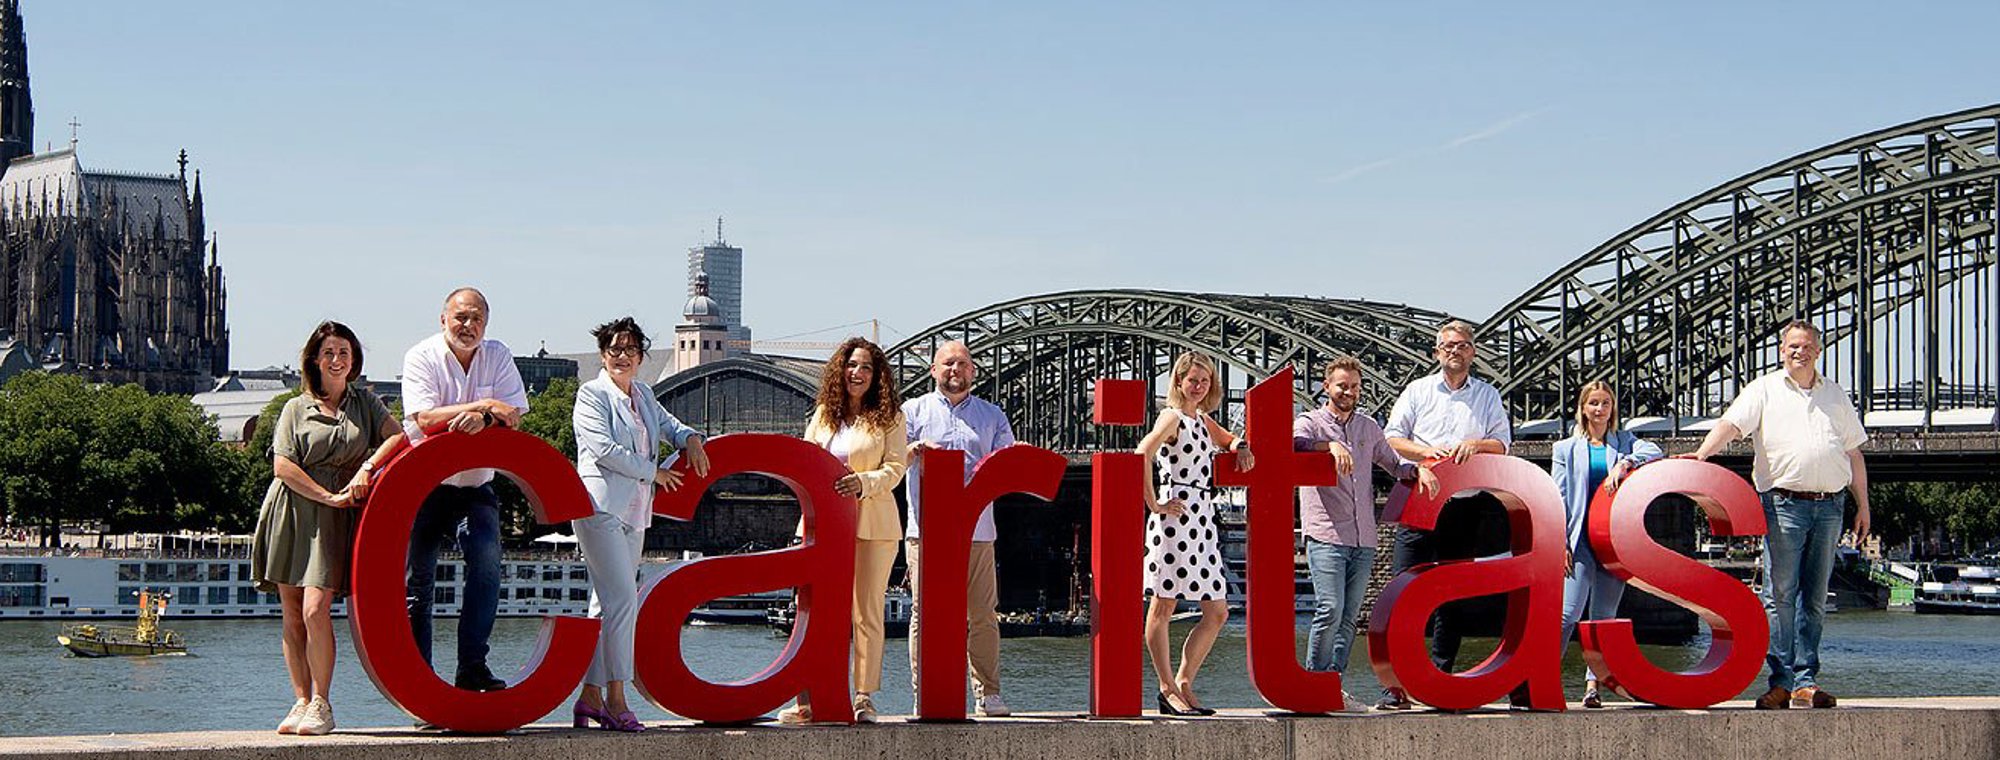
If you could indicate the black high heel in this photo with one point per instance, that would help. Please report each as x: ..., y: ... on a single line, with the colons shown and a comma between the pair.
x: 1168, y: 708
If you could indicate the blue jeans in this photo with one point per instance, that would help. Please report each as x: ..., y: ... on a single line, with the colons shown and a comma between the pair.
x: 1798, y: 559
x: 1340, y: 581
x: 1588, y: 587
x: 471, y: 516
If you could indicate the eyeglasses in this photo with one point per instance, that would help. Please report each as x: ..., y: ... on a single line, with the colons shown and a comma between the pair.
x: 1455, y: 346
x: 617, y: 351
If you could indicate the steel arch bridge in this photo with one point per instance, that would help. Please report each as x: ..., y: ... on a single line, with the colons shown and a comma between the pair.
x: 1040, y: 353
x: 1887, y: 241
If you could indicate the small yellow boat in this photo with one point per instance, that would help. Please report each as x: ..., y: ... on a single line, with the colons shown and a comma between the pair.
x: 145, y: 639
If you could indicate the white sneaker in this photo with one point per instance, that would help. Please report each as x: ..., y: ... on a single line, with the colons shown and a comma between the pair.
x: 864, y: 708
x: 1352, y: 704
x: 318, y: 720
x: 290, y: 725
x: 796, y: 715
x: 992, y: 706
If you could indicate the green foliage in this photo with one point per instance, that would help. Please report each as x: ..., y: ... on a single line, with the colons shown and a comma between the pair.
x: 75, y: 452
x: 549, y: 415
x: 1946, y: 518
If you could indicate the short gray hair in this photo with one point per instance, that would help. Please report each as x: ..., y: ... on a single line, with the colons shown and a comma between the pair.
x: 1461, y: 327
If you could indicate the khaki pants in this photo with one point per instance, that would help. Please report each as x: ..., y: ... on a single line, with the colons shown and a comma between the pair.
x: 872, y: 560
x: 982, y: 600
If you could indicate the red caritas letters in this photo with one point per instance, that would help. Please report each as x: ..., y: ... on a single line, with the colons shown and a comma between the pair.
x: 1273, y: 497
x: 950, y: 514
x: 381, y: 621
x: 1739, y: 630
x: 1531, y: 578
x: 813, y: 665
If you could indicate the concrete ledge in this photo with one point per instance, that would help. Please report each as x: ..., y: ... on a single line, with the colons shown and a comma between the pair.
x: 1874, y: 729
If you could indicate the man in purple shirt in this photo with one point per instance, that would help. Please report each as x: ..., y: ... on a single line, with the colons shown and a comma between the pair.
x: 1339, y: 520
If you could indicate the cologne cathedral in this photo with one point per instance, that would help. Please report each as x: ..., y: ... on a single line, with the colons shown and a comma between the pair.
x: 103, y: 273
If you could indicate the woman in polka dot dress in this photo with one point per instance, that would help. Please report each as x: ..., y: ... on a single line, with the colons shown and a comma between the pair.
x: 1183, y: 549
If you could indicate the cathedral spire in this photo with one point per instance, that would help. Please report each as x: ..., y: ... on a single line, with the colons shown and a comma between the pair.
x: 17, y: 109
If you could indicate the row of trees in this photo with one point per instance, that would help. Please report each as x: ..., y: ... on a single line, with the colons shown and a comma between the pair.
x: 77, y: 454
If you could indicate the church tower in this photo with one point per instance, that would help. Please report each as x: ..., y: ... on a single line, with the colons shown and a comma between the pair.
x: 701, y: 336
x: 17, y: 110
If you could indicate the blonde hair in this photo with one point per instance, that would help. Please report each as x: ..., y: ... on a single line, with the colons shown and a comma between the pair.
x: 1182, y: 365
x: 1583, y: 423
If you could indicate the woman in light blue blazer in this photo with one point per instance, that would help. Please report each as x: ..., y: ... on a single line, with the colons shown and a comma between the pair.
x: 1598, y: 453
x: 620, y: 429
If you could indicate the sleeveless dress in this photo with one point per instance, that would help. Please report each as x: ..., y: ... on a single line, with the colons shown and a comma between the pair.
x: 1184, y: 554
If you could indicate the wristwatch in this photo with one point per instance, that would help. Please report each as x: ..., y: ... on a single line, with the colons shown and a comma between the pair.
x: 367, y: 466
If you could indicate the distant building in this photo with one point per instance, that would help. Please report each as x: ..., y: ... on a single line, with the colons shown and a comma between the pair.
x: 539, y: 370
x: 702, y: 336
x: 268, y: 378
x: 103, y: 272
x: 723, y: 263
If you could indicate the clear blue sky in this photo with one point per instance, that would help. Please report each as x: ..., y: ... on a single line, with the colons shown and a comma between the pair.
x: 910, y: 162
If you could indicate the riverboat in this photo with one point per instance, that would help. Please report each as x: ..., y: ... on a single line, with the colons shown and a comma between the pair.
x: 1960, y: 590
x: 143, y: 639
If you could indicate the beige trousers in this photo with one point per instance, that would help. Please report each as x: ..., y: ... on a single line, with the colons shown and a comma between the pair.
x: 872, y: 561
x: 982, y: 619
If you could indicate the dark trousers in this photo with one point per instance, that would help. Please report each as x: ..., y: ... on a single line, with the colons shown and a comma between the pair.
x: 471, y: 518
x: 1454, y: 538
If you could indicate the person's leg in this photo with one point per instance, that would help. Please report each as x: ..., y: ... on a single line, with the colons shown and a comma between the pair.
x: 427, y: 535
x: 622, y: 668
x: 1214, y: 612
x: 913, y: 571
x: 1576, y: 593
x: 1159, y: 612
x: 317, y: 606
x: 1327, y: 569
x: 1359, y: 564
x: 982, y: 620
x: 1606, y: 591
x: 291, y: 601
x: 1815, y: 570
x: 1784, y: 545
x: 601, y: 539
x: 872, y: 563
x: 479, y: 541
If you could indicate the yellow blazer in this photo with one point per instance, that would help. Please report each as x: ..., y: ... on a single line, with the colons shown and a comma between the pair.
x: 880, y: 457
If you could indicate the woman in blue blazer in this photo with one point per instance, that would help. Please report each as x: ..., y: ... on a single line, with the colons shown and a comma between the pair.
x: 1597, y: 454
x: 620, y: 429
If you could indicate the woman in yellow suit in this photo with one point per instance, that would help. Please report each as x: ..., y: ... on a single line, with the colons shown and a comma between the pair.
x: 859, y: 419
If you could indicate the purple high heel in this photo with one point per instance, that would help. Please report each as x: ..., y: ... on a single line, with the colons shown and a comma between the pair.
x: 583, y: 714
x: 626, y: 722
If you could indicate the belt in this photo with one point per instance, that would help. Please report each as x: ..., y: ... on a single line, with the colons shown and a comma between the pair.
x: 1806, y: 495
x: 1208, y: 489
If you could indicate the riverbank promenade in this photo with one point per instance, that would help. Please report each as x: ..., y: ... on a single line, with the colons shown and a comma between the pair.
x: 1945, y: 727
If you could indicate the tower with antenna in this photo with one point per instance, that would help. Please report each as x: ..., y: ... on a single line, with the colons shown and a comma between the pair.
x: 723, y: 265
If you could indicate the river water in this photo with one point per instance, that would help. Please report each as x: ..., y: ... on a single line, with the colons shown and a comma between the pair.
x: 234, y: 679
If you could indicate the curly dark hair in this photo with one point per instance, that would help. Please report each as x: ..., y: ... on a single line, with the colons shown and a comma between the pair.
x: 879, y: 406
x: 609, y: 331
x: 309, y: 367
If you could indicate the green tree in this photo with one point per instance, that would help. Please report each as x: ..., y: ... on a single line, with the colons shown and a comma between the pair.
x: 547, y: 418
x: 1964, y: 516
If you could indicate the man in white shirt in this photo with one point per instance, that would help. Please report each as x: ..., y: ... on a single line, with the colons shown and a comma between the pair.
x: 952, y: 418
x: 458, y: 381
x: 1447, y: 415
x: 1806, y: 442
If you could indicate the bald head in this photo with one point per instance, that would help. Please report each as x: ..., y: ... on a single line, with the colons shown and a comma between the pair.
x: 952, y: 369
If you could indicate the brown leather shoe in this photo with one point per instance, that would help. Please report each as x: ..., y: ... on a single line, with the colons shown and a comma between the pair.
x: 1813, y: 696
x: 1778, y: 698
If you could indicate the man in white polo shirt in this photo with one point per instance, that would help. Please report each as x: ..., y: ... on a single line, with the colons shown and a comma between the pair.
x: 460, y: 380
x: 1806, y: 439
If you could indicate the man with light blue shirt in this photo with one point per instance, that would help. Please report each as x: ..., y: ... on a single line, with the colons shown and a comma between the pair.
x: 1447, y: 415
x: 954, y: 419
x: 460, y: 382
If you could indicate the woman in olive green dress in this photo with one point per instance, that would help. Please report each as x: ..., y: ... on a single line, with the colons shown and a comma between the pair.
x: 325, y: 446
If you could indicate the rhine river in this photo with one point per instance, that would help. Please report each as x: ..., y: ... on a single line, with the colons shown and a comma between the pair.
x: 234, y: 679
